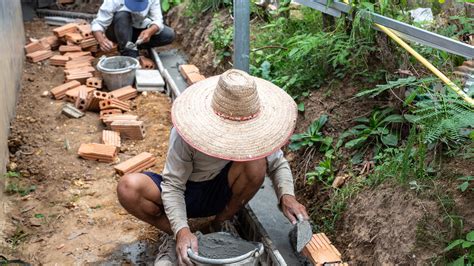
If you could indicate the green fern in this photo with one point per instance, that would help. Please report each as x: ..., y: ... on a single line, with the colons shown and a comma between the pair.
x: 443, y: 118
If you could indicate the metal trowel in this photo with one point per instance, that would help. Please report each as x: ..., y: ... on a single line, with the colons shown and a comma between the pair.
x: 301, y: 234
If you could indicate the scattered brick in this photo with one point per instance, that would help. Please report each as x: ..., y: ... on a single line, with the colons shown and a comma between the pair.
x: 60, y: 91
x: 73, y: 55
x: 82, y: 100
x: 98, y: 152
x: 129, y: 129
x: 39, y: 55
x: 191, y: 73
x: 96, y: 97
x: 58, y: 60
x: 69, y: 48
x: 85, y: 31
x: 320, y: 250
x: 108, y: 112
x: 136, y: 164
x: 33, y: 47
x: 94, y: 82
x: 108, y: 120
x: 89, y: 43
x: 115, y: 104
x: 75, y: 38
x: 65, y: 29
x: 125, y: 93
x: 146, y: 63
x: 87, y: 68
x: 110, y: 137
x: 71, y: 95
x: 52, y: 41
x: 71, y: 64
x: 81, y: 77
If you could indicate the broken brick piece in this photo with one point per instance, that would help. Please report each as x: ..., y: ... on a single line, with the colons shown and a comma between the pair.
x: 71, y: 95
x: 115, y: 104
x: 129, y: 129
x: 136, y: 164
x: 320, y: 250
x: 82, y: 100
x: 99, y: 152
x: 85, y: 31
x: 39, y: 55
x: 146, y: 63
x: 69, y: 48
x: 107, y: 112
x: 65, y: 29
x: 60, y: 91
x: 33, y: 47
x: 195, y: 77
x: 191, y: 73
x: 94, y: 82
x: 110, y: 137
x: 125, y: 93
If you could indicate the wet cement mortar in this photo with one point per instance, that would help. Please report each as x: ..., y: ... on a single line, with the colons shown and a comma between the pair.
x: 223, y: 246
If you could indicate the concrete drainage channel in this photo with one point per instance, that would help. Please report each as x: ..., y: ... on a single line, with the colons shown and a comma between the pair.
x: 260, y: 220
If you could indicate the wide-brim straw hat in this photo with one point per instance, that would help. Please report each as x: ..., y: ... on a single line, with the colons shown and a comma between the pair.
x: 235, y: 116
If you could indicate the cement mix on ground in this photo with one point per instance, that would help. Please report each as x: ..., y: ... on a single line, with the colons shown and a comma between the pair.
x: 223, y: 246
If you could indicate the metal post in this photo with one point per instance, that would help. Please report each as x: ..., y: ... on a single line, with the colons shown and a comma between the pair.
x: 241, y: 34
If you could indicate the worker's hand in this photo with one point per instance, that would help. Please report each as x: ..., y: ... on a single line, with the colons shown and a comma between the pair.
x: 145, y: 35
x: 105, y: 44
x: 184, y: 240
x: 292, y: 209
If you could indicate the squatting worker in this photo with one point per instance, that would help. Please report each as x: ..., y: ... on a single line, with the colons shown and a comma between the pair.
x: 227, y: 135
x: 123, y: 21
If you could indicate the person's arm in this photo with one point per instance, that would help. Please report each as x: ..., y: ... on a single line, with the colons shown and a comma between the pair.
x: 280, y: 173
x: 103, y: 20
x: 156, y: 22
x: 177, y: 170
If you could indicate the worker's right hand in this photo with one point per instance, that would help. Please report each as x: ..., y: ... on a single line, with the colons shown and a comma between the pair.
x: 105, y: 44
x: 184, y: 240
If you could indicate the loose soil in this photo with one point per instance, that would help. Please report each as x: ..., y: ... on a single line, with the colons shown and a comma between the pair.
x: 73, y: 216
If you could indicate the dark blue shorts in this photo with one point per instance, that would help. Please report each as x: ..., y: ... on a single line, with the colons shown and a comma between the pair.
x: 203, y: 199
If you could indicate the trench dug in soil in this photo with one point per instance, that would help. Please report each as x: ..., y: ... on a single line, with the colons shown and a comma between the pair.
x: 73, y: 216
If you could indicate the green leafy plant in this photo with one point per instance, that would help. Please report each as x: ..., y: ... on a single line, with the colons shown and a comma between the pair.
x: 410, y: 82
x: 166, y: 5
x: 221, y: 39
x: 443, y: 118
x: 467, y: 246
x: 13, y: 184
x: 324, y: 172
x: 312, y: 136
x: 372, y: 131
x: 466, y: 183
x: 202, y: 6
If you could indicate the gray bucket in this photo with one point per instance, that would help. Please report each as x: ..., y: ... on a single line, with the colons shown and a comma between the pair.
x: 118, y: 71
x: 226, y: 241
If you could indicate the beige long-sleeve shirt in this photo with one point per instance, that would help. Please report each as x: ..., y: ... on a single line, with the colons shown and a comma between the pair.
x: 185, y: 163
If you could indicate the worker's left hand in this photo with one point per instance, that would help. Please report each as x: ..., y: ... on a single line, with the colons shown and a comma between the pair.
x: 145, y: 35
x: 292, y: 208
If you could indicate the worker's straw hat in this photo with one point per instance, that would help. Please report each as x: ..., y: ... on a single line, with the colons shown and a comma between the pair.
x: 235, y: 116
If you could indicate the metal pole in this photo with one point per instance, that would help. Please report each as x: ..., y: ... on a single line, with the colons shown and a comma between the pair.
x: 241, y: 34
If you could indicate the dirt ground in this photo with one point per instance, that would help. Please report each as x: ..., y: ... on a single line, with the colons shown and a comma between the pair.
x: 73, y: 216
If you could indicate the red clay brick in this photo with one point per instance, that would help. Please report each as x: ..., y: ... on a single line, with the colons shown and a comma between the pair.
x: 129, y: 129
x: 63, y: 30
x: 71, y: 65
x: 69, y: 48
x: 85, y: 31
x: 195, y: 77
x: 39, y: 55
x: 96, y: 97
x: 60, y: 91
x: 321, y: 251
x: 108, y: 112
x: 81, y: 77
x: 79, y: 70
x: 108, y: 120
x: 110, y: 137
x: 125, y: 93
x: 136, y: 164
x: 71, y: 95
x: 191, y: 73
x: 98, y: 152
x: 58, y: 60
x: 94, y: 82
x: 114, y: 103
x: 33, y: 47
x: 82, y: 100
x: 146, y: 63
x: 73, y: 55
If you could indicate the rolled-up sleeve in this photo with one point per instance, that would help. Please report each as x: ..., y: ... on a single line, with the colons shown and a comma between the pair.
x: 280, y: 173
x: 156, y: 16
x: 177, y: 170
x: 104, y: 16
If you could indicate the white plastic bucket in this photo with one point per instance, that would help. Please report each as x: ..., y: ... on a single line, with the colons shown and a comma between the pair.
x: 118, y: 71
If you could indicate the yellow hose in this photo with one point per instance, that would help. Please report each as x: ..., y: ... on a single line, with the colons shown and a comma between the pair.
x: 425, y: 62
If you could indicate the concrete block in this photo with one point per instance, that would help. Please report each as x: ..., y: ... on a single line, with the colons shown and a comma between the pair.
x: 149, y: 80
